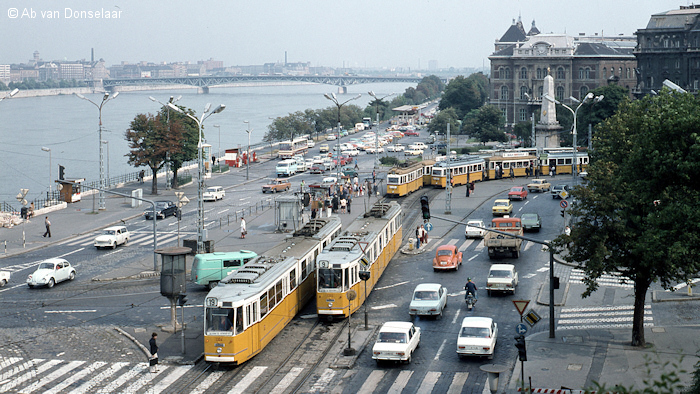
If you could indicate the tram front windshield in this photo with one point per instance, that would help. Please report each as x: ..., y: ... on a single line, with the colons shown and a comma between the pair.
x: 219, y: 320
x: 392, y: 179
x: 438, y: 172
x: 329, y: 278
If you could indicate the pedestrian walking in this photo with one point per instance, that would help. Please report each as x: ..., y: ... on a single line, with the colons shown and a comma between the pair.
x: 47, y: 223
x: 512, y: 174
x: 468, y: 186
x: 302, y: 186
x: 153, y: 360
x: 418, y: 237
x: 314, y: 212
x: 343, y: 205
x: 142, y: 173
x: 425, y: 235
x: 349, y: 202
x: 244, y: 229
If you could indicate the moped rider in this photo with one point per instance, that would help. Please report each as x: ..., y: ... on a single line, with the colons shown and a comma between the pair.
x: 470, y: 287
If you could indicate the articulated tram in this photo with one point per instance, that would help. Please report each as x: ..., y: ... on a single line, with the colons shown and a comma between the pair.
x: 463, y: 170
x: 368, y: 244
x: 402, y: 181
x: 562, y: 162
x: 253, y: 304
x: 499, y: 165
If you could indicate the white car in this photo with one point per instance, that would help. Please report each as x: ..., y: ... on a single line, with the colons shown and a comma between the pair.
x: 112, y: 236
x: 352, y: 152
x: 310, y: 143
x: 413, y: 152
x: 477, y: 337
x: 396, y: 341
x: 474, y: 232
x: 329, y: 181
x: 51, y: 271
x: 4, y: 278
x: 429, y: 299
x: 418, y: 145
x: 330, y: 137
x: 214, y: 193
x: 396, y: 148
x: 502, y: 277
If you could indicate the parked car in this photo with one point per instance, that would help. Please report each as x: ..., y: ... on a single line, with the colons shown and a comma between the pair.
x: 214, y: 193
x: 418, y: 145
x: 112, y: 236
x: 447, y: 257
x: 502, y: 277
x: 51, y: 271
x: 395, y: 148
x: 163, y: 210
x: 477, y: 337
x: 517, y: 193
x: 413, y: 152
x: 310, y: 143
x: 317, y: 169
x: 276, y: 185
x: 352, y: 152
x: 396, y: 341
x: 323, y: 148
x: 502, y: 207
x: 559, y: 189
x: 429, y: 299
x: 330, y: 137
x: 539, y: 185
x: 411, y: 133
x: 531, y: 221
x: 4, y: 278
x: 473, y: 232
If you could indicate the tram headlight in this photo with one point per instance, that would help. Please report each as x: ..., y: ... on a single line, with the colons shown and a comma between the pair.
x: 219, y: 349
x: 330, y: 305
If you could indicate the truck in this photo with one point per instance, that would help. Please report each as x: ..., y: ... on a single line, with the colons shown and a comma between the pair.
x: 367, y: 122
x: 500, y: 244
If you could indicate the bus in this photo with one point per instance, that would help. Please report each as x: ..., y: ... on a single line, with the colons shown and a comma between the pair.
x: 289, y: 149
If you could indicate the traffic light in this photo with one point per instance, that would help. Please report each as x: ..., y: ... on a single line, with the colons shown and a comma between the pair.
x: 425, y: 207
x: 364, y: 275
x: 60, y: 172
x: 181, y: 299
x: 520, y: 344
x: 563, y: 212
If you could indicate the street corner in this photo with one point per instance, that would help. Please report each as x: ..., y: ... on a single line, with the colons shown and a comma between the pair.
x: 411, y: 249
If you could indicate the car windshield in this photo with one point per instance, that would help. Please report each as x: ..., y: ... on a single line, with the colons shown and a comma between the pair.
x: 46, y: 266
x: 161, y: 204
x: 529, y: 216
x: 425, y: 295
x: 444, y: 252
x: 392, y: 337
x: 109, y: 232
x: 475, y: 332
x: 475, y: 224
x: 516, y: 189
x: 499, y: 274
x: 211, y: 189
x: 501, y: 204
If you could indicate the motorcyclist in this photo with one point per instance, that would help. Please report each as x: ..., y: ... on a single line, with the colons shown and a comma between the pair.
x: 470, y: 287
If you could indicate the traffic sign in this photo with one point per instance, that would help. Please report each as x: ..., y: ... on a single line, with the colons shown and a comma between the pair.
x: 564, y: 203
x: 532, y: 318
x: 563, y: 194
x: 428, y: 227
x: 521, y: 329
x: 520, y: 305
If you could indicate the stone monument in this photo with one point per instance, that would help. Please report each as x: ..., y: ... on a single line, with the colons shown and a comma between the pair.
x: 548, y: 128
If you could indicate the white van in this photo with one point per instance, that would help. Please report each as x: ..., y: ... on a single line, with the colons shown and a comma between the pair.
x: 286, y: 168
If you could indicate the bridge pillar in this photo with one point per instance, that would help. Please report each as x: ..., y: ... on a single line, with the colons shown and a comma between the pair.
x: 342, y: 90
x: 203, y: 90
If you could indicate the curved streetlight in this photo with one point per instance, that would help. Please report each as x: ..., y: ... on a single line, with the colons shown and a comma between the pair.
x: 335, y: 101
x: 589, y: 96
x: 99, y: 106
x: 200, y: 166
x: 376, y: 132
x: 247, y: 167
x: 9, y: 95
x: 172, y: 99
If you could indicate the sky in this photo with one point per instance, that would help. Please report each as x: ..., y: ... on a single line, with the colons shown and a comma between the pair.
x: 387, y: 34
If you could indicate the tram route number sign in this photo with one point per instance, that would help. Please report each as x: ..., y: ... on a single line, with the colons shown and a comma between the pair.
x: 564, y: 204
x: 428, y: 227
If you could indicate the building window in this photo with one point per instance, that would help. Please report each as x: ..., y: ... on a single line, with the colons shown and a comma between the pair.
x: 560, y: 73
x: 523, y: 73
x: 539, y: 73
x: 504, y: 112
x: 583, y: 92
x: 500, y: 72
x: 605, y: 72
x: 665, y: 42
x: 620, y: 72
x: 523, y: 92
x: 504, y: 92
x: 507, y: 76
x: 581, y: 73
x: 523, y: 113
x: 560, y: 93
x: 678, y: 63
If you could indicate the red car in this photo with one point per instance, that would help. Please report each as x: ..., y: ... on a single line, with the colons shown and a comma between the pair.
x: 517, y: 193
x: 410, y: 133
x: 447, y: 257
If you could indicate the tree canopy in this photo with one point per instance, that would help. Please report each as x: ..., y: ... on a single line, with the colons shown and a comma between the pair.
x: 638, y: 215
x: 465, y: 94
x: 485, y: 124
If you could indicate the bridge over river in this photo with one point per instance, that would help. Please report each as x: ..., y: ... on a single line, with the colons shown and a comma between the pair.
x: 207, y: 82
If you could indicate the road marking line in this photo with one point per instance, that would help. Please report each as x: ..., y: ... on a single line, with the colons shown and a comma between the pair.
x: 206, y: 383
x: 53, y: 376
x: 323, y: 381
x: 87, y: 386
x: 75, y: 311
x: 465, y: 245
x: 78, y: 376
x: 384, y: 307
x: 457, y: 313
x: 70, y: 253
x: 439, y: 352
x: 33, y: 370
x: 171, y: 378
x: 372, y: 382
x: 249, y: 378
x: 287, y: 380
x: 390, y: 286
x: 400, y: 382
x: 429, y: 381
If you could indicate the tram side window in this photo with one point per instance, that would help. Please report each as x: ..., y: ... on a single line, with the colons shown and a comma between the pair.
x: 219, y: 319
x: 239, y: 320
x: 271, y: 297
x: 249, y: 316
x: 293, y: 279
x: 255, y: 313
x: 278, y: 290
x: 263, y: 305
x: 346, y: 279
x: 304, y: 272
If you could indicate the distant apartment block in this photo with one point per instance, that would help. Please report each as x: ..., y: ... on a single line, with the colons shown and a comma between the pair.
x: 5, y: 73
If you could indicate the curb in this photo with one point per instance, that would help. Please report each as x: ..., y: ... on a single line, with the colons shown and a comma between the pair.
x: 348, y: 362
x: 142, y: 275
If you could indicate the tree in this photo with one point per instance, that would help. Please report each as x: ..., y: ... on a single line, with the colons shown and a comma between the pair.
x: 595, y: 114
x: 182, y: 140
x: 465, y: 94
x: 439, y: 123
x: 523, y: 130
x: 637, y: 215
x: 147, y: 139
x: 485, y: 124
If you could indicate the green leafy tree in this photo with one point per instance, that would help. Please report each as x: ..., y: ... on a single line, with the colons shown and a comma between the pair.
x: 287, y: 127
x: 440, y: 121
x: 464, y: 94
x: 146, y: 136
x: 638, y: 215
x: 182, y: 140
x: 523, y: 130
x: 485, y: 124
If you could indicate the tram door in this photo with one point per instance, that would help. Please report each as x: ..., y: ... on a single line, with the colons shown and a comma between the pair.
x: 251, y: 312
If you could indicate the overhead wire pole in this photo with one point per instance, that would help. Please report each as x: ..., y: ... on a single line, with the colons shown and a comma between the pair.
x: 335, y: 101
x: 376, y: 134
x: 167, y: 159
x: 247, y: 167
x: 102, y: 205
x: 448, y: 186
x: 200, y: 165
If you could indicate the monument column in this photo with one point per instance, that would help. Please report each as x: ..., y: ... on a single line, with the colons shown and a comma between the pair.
x: 548, y: 127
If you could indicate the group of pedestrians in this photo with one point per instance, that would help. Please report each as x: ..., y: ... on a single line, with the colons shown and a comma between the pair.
x: 421, y: 236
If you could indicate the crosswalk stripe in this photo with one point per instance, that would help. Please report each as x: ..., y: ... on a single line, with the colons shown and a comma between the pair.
x: 112, y: 386
x: 171, y: 378
x: 371, y: 382
x: 247, y: 380
x: 6, y: 362
x: 479, y: 247
x: 400, y: 382
x: 146, y: 377
x: 323, y: 381
x: 87, y: 386
x: 428, y: 383
x: 465, y: 245
x: 52, y: 376
x: 207, y: 382
x: 287, y: 380
x: 76, y: 377
x: 602, y: 308
x: 41, y: 366
x: 458, y: 382
x: 618, y: 316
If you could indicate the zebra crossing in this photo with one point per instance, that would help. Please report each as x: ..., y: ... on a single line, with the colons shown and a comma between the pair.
x: 601, y: 317
x: 140, y: 238
x: 82, y: 377
x: 608, y: 280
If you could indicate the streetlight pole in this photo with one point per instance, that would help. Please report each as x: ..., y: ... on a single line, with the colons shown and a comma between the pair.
x: 376, y: 134
x: 247, y: 167
x: 109, y: 182
x: 200, y: 167
x: 102, y: 206
x: 167, y: 154
x: 9, y: 95
x: 45, y: 149
x: 589, y: 96
x: 335, y: 101
x: 218, y: 153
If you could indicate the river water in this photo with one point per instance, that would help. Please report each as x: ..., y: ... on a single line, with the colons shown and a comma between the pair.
x: 68, y: 126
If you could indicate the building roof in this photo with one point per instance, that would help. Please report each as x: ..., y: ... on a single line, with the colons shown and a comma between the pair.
x: 515, y: 33
x: 682, y: 18
x: 533, y: 30
x: 598, y: 49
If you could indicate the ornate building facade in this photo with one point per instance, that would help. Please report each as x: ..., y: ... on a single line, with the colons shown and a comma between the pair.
x: 577, y: 65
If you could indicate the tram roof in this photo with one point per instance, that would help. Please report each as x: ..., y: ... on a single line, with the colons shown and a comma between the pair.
x: 460, y: 160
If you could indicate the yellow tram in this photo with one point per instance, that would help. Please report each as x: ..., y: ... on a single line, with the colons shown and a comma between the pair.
x: 252, y: 305
x: 368, y: 244
x: 402, y: 181
x: 500, y: 164
x: 562, y: 161
x: 428, y: 172
x: 463, y: 170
